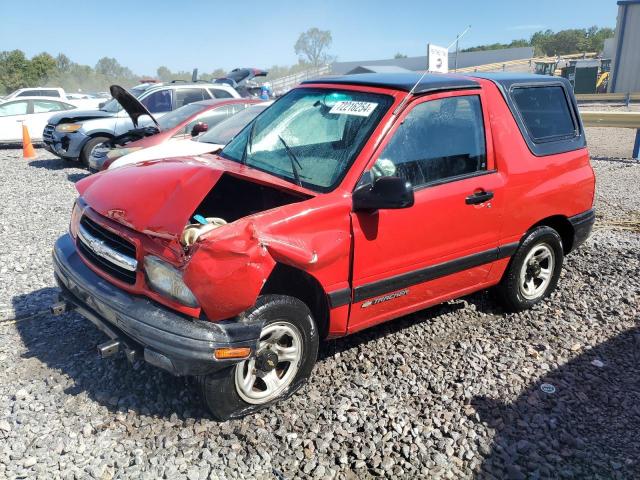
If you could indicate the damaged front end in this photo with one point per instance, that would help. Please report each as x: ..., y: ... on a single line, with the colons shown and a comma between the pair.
x: 192, y: 228
x: 182, y: 257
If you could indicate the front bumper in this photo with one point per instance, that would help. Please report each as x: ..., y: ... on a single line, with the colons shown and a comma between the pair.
x: 176, y: 343
x: 65, y: 145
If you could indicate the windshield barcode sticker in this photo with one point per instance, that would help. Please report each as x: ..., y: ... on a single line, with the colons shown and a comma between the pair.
x: 361, y: 109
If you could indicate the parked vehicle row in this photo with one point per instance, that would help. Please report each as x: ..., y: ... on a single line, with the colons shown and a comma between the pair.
x: 74, y: 135
x: 197, y: 128
x: 348, y: 202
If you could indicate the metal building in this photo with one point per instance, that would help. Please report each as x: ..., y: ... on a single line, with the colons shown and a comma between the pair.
x: 465, y: 59
x: 625, y: 73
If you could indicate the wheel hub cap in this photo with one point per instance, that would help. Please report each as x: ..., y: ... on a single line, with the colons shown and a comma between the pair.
x: 537, y: 271
x: 267, y: 375
x: 266, y: 360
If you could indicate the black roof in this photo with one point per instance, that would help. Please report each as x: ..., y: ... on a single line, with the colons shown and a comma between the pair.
x: 402, y: 81
x: 436, y: 81
x: 507, y: 79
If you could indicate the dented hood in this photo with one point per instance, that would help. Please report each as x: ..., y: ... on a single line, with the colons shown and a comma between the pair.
x: 153, y: 198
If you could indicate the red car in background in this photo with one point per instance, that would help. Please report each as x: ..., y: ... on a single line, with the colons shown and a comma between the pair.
x: 188, y: 120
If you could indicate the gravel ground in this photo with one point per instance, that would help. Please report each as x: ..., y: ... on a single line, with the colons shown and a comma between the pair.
x: 450, y: 392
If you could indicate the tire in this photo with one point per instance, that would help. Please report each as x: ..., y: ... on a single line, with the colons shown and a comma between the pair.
x: 533, y: 271
x: 288, y: 324
x: 88, y: 147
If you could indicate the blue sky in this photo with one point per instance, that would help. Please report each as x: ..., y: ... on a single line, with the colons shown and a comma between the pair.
x: 184, y: 34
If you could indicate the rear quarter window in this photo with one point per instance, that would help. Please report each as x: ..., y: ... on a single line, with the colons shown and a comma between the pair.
x: 219, y: 93
x: 545, y: 112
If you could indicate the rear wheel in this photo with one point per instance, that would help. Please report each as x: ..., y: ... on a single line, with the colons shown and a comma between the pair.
x: 533, y: 271
x: 88, y: 148
x: 285, y: 356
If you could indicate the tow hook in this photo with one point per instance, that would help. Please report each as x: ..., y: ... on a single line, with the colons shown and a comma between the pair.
x: 113, y: 346
x: 61, y: 307
x: 109, y: 348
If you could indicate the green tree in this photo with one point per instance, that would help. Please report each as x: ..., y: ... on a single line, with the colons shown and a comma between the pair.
x: 13, y: 70
x: 111, y: 69
x: 313, y: 45
x: 164, y: 74
x: 399, y: 55
x: 63, y: 64
x: 39, y: 68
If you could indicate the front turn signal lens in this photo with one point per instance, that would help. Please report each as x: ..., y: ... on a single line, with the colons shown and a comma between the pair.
x: 227, y: 353
x: 68, y: 127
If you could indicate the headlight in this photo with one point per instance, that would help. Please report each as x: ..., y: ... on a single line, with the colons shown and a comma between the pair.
x: 121, y: 152
x: 167, y: 280
x: 68, y: 127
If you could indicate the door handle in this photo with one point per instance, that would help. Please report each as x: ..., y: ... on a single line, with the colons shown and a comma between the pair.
x: 478, y: 197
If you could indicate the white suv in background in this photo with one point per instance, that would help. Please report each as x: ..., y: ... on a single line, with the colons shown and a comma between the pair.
x: 74, y: 135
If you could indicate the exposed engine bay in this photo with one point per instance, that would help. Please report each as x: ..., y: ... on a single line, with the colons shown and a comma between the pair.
x: 233, y: 198
x: 132, y: 136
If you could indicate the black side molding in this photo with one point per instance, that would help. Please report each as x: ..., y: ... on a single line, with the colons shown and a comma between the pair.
x: 582, y: 226
x: 432, y: 272
x: 338, y: 298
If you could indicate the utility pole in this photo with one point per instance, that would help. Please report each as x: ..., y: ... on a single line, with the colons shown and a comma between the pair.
x: 455, y: 67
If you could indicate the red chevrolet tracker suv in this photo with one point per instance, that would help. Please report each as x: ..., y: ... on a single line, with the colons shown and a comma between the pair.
x: 349, y: 202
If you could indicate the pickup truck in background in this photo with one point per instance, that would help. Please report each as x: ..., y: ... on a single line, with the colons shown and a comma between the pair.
x: 349, y: 202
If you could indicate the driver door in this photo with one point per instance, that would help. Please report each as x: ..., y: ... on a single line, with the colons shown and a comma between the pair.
x: 443, y: 246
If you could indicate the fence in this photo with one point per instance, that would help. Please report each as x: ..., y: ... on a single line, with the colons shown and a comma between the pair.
x: 609, y: 97
x: 615, y: 120
x: 284, y: 84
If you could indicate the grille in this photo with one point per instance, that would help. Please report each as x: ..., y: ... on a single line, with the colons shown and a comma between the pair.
x: 112, y: 241
x: 47, y: 135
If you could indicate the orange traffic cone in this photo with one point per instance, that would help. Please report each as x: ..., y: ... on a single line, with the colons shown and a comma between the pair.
x: 28, y: 152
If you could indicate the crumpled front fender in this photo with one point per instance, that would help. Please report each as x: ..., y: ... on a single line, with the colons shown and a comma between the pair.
x: 227, y: 273
x: 229, y: 265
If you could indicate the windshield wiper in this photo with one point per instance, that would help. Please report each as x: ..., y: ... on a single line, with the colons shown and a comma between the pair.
x: 247, y: 145
x: 294, y: 161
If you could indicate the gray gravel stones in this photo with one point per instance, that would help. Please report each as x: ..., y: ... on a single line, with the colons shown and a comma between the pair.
x: 450, y: 392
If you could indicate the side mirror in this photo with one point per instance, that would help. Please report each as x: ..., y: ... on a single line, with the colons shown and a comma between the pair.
x: 199, y: 128
x: 383, y: 193
x: 101, y: 104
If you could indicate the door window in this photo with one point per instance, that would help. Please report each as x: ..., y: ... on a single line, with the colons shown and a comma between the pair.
x: 185, y: 96
x: 158, y: 102
x: 13, y: 108
x: 42, y: 106
x: 210, y: 117
x: 39, y: 93
x: 437, y: 140
x: 219, y: 93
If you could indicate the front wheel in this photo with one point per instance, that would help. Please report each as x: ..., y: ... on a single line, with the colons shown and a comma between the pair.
x: 285, y: 356
x: 89, y: 147
x: 533, y: 271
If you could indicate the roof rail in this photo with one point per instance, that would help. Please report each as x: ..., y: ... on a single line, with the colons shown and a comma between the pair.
x: 178, y: 80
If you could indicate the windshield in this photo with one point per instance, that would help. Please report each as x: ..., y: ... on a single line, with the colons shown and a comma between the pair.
x: 222, y: 133
x: 114, y: 107
x: 179, y: 115
x: 310, y: 136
